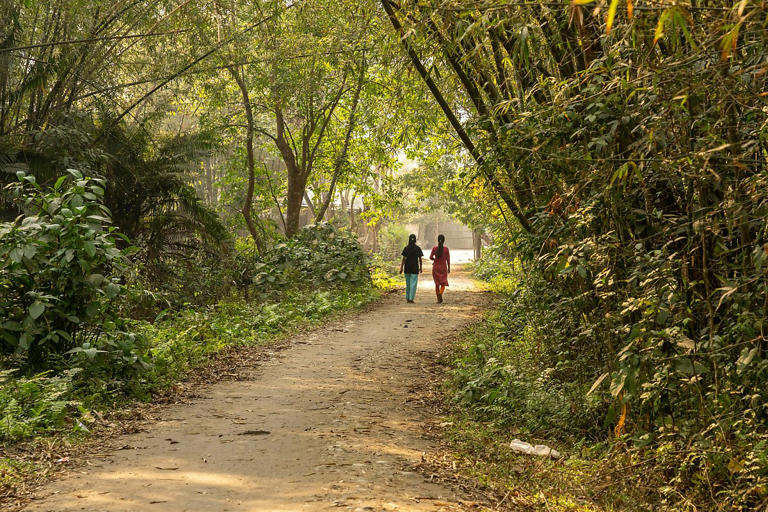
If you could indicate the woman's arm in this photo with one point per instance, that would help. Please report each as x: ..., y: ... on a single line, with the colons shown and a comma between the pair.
x: 448, y: 259
x: 402, y: 264
x: 419, y: 264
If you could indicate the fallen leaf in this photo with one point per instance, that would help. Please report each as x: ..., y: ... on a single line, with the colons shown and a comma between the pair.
x: 255, y: 433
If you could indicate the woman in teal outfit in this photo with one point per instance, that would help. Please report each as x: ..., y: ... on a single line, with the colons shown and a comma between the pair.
x: 411, y: 263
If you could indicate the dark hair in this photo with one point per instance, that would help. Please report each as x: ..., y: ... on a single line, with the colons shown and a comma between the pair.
x: 411, y: 239
x: 440, y: 242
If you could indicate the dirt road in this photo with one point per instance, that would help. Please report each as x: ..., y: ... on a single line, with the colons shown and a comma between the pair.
x: 331, y: 423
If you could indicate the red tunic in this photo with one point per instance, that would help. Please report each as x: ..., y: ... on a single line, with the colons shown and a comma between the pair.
x: 440, y: 266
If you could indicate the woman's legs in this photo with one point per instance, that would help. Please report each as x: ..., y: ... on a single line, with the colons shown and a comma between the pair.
x: 439, y: 289
x: 411, y: 280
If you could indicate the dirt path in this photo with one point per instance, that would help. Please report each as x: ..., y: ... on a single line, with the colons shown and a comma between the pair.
x: 331, y: 423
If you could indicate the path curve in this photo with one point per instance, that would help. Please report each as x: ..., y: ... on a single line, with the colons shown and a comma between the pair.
x: 331, y: 423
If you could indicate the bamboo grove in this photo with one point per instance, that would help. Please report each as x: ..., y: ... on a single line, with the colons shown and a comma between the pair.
x: 628, y: 140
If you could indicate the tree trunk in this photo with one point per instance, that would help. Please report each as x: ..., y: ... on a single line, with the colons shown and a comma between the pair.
x: 297, y: 181
x: 294, y: 199
x: 477, y: 242
x: 247, y: 205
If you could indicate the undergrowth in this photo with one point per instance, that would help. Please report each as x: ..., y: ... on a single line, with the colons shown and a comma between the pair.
x: 84, y: 331
x: 503, y: 385
x: 177, y: 344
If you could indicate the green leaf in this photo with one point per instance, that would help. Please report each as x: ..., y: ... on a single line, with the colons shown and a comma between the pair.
x: 11, y: 325
x: 112, y: 290
x: 684, y: 366
x: 16, y: 255
x: 659, y: 33
x: 90, y: 248
x: 59, y: 183
x: 95, y: 279
x: 30, y: 251
x: 92, y: 309
x: 36, y: 309
x: 25, y: 341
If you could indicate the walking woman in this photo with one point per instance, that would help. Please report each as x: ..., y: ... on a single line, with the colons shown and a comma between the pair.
x: 411, y: 263
x: 441, y: 266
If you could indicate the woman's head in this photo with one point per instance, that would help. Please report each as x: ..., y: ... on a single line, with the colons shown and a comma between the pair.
x: 440, y: 239
x: 440, y: 242
x: 411, y: 239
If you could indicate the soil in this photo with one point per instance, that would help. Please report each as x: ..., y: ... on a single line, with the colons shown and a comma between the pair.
x: 336, y: 421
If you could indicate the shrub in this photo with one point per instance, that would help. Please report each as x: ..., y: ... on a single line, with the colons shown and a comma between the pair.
x: 502, y: 375
x: 318, y: 257
x: 59, y: 264
x: 34, y: 405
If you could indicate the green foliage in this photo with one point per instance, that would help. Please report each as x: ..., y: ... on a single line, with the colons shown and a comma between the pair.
x: 623, y: 161
x: 300, y: 282
x: 502, y: 373
x: 30, y: 406
x: 59, y: 267
x: 319, y: 256
x: 392, y: 239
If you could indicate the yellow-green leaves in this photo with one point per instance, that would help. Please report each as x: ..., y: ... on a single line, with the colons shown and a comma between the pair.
x: 660, y: 25
x: 671, y: 22
x: 729, y: 41
x: 611, y: 15
x: 742, y: 5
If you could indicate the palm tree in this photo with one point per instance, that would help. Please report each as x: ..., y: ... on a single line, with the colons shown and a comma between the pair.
x: 148, y: 189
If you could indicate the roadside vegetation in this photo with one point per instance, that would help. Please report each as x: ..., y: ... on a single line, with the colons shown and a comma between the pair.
x: 76, y: 333
x: 159, y: 159
x: 617, y: 152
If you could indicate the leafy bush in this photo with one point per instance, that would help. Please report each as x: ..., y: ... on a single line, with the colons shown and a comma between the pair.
x: 545, y: 363
x: 318, y: 256
x: 392, y: 239
x: 501, y: 374
x: 34, y: 405
x: 494, y: 264
x: 58, y: 266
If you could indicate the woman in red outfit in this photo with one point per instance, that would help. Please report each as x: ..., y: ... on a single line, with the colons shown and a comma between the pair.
x: 441, y: 266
